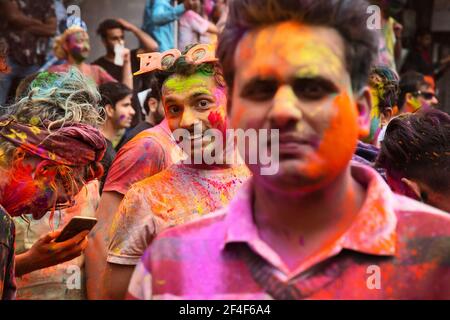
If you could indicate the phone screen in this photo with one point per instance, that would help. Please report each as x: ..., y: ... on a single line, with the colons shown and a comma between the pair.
x: 75, y: 226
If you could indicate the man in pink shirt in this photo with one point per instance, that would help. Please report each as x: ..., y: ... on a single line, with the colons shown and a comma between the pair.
x: 322, y: 227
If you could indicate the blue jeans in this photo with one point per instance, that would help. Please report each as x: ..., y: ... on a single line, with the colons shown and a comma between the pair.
x: 17, y: 72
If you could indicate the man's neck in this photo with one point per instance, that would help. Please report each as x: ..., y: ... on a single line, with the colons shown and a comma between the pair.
x: 298, y: 226
x: 110, y: 56
x: 109, y: 131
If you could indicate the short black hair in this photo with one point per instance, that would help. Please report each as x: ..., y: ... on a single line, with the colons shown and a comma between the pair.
x: 348, y: 17
x: 183, y: 68
x: 113, y: 92
x: 106, y: 25
x: 417, y: 146
x: 410, y: 82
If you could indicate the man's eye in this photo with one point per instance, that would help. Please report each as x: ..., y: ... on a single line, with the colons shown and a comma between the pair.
x: 313, y: 89
x: 203, y: 104
x: 260, y: 90
x: 174, y: 110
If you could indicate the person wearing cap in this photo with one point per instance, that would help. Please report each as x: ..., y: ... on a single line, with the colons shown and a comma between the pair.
x: 49, y: 149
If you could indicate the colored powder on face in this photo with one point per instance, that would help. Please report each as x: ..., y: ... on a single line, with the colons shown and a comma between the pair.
x: 303, y: 51
x: 20, y: 191
x: 310, y: 52
x: 339, y: 141
x: 414, y: 105
x: 217, y: 121
x: 76, y: 48
x: 179, y: 85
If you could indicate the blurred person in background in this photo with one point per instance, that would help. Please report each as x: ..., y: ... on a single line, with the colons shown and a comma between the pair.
x: 384, y: 89
x: 390, y: 40
x: 27, y: 26
x: 152, y: 109
x: 116, y: 101
x: 416, y: 155
x: 159, y: 16
x: 194, y: 27
x: 73, y: 46
x: 59, y: 115
x: 415, y: 92
x: 112, y: 32
x: 420, y: 58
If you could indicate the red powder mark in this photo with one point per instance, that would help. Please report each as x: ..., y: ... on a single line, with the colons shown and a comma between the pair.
x: 216, y: 120
x: 20, y: 190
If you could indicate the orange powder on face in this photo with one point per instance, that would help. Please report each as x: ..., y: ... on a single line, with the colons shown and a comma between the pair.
x: 339, y: 141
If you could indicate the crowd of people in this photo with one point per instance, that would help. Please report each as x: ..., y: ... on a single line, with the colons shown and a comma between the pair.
x: 361, y: 143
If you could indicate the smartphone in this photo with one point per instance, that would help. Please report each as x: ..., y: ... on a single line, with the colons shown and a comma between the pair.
x: 75, y: 226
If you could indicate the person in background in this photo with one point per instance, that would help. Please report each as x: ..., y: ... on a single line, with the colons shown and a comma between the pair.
x: 415, y: 92
x: 153, y: 110
x: 49, y: 149
x: 194, y: 96
x: 390, y: 40
x: 112, y: 32
x: 194, y: 27
x: 116, y: 100
x: 220, y: 14
x: 384, y: 88
x: 73, y: 46
x: 158, y: 19
x: 27, y: 26
x: 47, y: 275
x: 40, y: 274
x: 420, y: 58
x: 416, y: 156
x: 61, y: 25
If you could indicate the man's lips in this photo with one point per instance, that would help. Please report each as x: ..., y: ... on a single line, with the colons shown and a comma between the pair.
x: 293, y: 144
x: 192, y: 138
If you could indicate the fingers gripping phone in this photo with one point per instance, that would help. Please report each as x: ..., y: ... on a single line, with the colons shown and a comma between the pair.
x: 75, y: 226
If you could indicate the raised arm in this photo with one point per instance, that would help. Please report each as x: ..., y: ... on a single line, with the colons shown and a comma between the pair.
x: 162, y: 14
x: 145, y: 39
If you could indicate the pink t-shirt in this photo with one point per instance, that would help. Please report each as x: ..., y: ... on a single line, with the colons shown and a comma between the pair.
x: 150, y: 152
x: 191, y: 27
x: 96, y: 73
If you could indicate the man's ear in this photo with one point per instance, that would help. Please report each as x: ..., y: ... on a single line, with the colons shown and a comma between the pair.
x: 408, y: 97
x: 153, y: 105
x: 364, y: 105
x: 413, y: 186
x: 386, y: 116
x: 109, y: 110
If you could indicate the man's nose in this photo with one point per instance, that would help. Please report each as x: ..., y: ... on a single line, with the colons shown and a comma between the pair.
x: 285, y: 109
x: 188, y: 119
x: 434, y: 101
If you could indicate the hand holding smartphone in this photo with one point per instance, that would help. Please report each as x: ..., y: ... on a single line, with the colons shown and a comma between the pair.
x: 76, y: 225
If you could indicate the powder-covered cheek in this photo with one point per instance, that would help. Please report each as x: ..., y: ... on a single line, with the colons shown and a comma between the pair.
x: 339, y: 140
